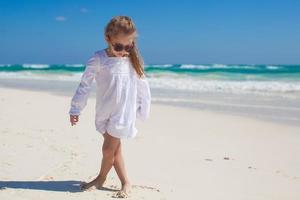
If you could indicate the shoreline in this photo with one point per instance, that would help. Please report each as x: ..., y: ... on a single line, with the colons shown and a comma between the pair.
x: 270, y: 109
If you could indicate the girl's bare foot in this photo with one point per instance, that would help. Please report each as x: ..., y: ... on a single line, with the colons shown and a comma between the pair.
x: 97, y: 182
x: 124, y: 192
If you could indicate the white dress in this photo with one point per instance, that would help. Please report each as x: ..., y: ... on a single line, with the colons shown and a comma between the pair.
x: 121, y: 96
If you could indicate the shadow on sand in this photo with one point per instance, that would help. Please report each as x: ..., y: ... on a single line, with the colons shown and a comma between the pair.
x: 59, y: 186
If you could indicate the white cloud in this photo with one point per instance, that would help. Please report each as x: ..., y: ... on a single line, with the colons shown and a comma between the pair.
x: 60, y: 18
x: 84, y: 10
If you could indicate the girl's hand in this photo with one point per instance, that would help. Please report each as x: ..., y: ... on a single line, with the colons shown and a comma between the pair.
x: 74, y: 119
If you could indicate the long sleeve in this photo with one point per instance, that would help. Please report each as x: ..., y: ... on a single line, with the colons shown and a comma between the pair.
x: 81, y: 95
x: 143, y: 99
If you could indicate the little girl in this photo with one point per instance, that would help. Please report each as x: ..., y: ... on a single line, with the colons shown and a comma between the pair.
x: 123, y: 94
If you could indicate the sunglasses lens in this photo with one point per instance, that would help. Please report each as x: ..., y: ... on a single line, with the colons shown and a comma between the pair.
x: 118, y: 47
x: 128, y: 48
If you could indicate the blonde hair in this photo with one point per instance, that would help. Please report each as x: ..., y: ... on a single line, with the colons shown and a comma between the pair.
x: 124, y: 25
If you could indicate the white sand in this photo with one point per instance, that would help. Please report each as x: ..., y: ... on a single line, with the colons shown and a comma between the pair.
x: 178, y: 153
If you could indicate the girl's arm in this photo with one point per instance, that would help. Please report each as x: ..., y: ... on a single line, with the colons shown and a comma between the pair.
x: 81, y: 95
x: 143, y: 99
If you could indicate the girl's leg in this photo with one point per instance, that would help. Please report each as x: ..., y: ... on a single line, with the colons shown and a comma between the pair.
x: 121, y: 171
x: 109, y: 148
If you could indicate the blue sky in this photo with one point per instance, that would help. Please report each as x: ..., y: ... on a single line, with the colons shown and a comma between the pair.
x: 191, y: 32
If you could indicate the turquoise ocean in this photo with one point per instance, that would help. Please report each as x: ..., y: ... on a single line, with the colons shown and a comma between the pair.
x: 265, y: 91
x: 281, y: 79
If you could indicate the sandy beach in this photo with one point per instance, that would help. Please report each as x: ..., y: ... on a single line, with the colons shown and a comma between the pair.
x: 179, y: 153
